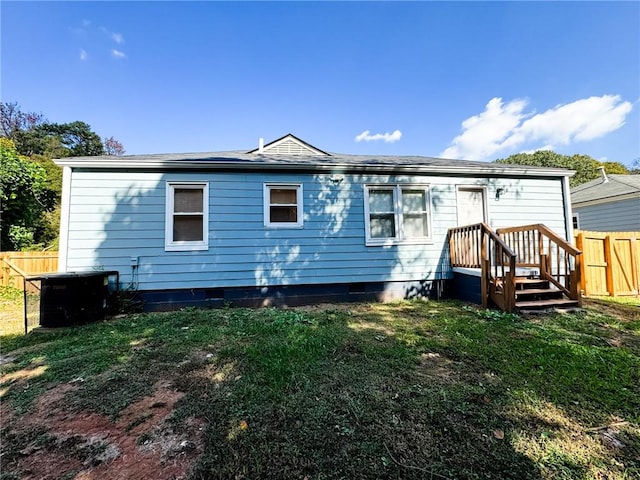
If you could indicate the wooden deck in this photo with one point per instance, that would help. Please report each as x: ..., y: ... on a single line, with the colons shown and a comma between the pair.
x: 553, y: 278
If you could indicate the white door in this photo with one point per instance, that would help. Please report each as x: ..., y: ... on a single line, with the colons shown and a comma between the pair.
x: 471, y: 206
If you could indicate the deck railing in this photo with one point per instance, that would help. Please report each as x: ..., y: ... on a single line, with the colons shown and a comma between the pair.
x: 538, y: 246
x: 478, y: 246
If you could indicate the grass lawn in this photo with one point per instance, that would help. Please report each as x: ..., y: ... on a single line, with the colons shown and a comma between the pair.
x: 12, y: 311
x: 424, y: 390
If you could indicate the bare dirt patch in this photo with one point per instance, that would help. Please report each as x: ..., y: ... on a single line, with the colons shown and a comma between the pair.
x: 140, y: 444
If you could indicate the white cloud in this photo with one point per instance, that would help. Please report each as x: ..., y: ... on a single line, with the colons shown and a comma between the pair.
x: 117, y: 37
x: 507, y: 126
x: 118, y: 54
x: 83, y: 55
x: 86, y: 23
x: 386, y: 137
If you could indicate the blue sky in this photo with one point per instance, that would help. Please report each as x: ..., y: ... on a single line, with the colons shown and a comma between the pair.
x: 472, y: 80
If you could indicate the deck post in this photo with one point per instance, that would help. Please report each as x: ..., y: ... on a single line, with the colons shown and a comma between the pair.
x: 484, y: 273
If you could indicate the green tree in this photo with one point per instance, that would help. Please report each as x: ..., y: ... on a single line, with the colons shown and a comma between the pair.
x: 24, y: 198
x: 75, y: 139
x: 586, y: 167
x: 32, y: 208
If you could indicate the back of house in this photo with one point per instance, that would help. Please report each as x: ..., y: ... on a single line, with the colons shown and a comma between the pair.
x: 289, y: 223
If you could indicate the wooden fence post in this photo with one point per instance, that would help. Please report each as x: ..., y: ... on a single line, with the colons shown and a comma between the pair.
x: 635, y: 263
x: 608, y: 258
x: 582, y: 277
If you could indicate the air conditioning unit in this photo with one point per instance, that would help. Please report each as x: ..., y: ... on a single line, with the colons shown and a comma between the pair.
x: 76, y: 298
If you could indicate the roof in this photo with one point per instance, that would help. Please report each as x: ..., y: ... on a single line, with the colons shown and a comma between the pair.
x: 602, y: 191
x: 311, y: 161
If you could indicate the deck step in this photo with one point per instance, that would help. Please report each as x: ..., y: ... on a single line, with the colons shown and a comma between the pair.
x: 538, y: 291
x: 529, y: 280
x: 526, y: 284
x: 542, y: 304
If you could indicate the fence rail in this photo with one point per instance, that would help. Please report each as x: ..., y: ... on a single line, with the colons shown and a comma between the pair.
x: 14, y: 266
x: 611, y: 262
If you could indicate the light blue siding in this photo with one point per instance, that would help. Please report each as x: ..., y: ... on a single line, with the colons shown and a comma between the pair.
x: 622, y: 216
x: 114, y: 216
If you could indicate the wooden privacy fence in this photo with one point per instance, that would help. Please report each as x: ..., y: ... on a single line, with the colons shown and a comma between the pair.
x: 611, y: 262
x: 16, y: 265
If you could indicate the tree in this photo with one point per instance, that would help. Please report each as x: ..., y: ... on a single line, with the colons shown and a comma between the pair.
x: 586, y: 167
x: 13, y: 120
x: 31, y: 187
x: 23, y: 197
x: 113, y: 147
x: 76, y: 137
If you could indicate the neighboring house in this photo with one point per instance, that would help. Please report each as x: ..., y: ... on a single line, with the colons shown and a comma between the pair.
x: 288, y: 222
x: 610, y: 203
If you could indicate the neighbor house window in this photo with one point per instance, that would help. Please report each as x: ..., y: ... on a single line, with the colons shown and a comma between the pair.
x: 283, y: 205
x: 187, y: 216
x: 576, y: 221
x: 397, y: 213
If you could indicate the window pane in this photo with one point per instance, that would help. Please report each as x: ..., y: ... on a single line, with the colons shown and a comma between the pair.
x: 283, y: 196
x: 413, y: 201
x: 382, y: 226
x: 187, y: 228
x: 415, y: 225
x: 284, y: 214
x: 380, y: 201
x: 187, y: 200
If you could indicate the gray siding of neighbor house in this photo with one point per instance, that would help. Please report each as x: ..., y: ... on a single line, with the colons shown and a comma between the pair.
x: 622, y: 216
x: 116, y: 215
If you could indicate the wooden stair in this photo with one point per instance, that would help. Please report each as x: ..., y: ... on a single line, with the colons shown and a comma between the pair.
x: 537, y: 294
x: 505, y: 254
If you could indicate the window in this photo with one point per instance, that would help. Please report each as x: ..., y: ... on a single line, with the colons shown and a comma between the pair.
x: 187, y: 216
x: 576, y: 221
x: 395, y: 214
x: 283, y: 205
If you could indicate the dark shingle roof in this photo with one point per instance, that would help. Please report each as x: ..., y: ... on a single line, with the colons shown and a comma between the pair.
x: 599, y: 189
x: 241, y: 160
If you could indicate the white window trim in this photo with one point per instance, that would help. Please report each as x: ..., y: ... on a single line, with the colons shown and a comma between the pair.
x: 398, y: 215
x: 267, y: 205
x: 169, y: 244
x: 575, y: 216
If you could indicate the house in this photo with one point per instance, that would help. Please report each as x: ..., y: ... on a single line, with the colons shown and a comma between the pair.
x: 288, y: 222
x: 610, y: 203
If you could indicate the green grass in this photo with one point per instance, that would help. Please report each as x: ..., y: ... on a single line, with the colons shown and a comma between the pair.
x: 402, y: 390
x: 626, y: 300
x: 12, y: 310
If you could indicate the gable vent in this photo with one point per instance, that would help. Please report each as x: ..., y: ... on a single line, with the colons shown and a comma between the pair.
x: 289, y: 147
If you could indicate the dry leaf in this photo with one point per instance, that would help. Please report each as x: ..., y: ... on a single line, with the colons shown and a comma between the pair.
x: 499, y: 434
